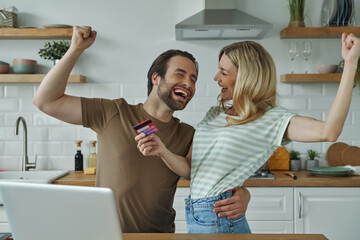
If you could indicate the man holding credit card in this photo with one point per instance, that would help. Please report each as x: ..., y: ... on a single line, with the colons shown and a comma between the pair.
x: 144, y: 187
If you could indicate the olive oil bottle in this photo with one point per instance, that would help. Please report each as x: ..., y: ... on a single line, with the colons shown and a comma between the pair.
x: 92, y: 156
x: 79, y: 162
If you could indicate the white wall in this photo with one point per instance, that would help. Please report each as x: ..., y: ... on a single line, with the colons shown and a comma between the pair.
x: 131, y: 34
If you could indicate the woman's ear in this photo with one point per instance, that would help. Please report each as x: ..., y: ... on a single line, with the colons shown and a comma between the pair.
x: 155, y: 79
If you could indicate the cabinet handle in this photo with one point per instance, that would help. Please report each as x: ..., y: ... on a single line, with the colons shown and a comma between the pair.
x: 300, y: 208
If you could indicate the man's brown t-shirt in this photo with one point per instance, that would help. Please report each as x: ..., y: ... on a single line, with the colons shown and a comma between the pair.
x: 144, y: 187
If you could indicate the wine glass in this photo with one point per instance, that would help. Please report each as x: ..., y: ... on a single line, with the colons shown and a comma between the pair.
x: 293, y: 53
x: 306, y: 52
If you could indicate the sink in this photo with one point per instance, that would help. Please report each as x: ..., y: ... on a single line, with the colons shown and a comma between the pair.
x: 31, y: 176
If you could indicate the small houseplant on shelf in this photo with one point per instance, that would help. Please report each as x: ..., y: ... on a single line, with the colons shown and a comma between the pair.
x: 295, y: 162
x: 312, y: 161
x: 296, y: 8
x: 54, y: 51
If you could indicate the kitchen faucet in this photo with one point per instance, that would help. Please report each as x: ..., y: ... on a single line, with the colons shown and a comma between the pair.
x: 25, y: 161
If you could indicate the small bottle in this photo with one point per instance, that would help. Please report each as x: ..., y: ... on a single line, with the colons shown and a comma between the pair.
x: 79, y: 163
x: 92, y: 157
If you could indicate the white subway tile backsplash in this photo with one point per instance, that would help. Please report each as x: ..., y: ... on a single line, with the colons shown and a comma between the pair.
x: 134, y: 90
x: 26, y: 105
x: 16, y: 148
x: 307, y: 89
x: 62, y: 133
x: 9, y: 105
x: 41, y: 119
x: 54, y: 141
x: 108, y: 90
x: 320, y: 103
x: 19, y: 90
x: 61, y: 163
x: 204, y: 104
x: 10, y: 118
x: 48, y: 148
x: 38, y: 133
x: 284, y: 89
x: 86, y: 134
x: 79, y: 90
x: 292, y: 103
x: 10, y: 163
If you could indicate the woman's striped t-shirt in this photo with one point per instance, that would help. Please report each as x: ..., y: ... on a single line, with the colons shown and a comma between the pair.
x: 224, y: 157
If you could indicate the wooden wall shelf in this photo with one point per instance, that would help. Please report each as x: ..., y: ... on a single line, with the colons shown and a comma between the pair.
x: 35, y: 78
x: 310, y: 77
x: 317, y: 32
x: 36, y: 33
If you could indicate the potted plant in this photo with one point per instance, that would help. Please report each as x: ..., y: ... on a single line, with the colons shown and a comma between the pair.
x: 295, y: 161
x: 296, y: 8
x: 54, y: 51
x: 312, y: 161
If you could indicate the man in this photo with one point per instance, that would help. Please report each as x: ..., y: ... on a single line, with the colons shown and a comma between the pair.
x: 144, y: 187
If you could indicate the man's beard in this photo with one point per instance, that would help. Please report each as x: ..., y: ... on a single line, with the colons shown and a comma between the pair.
x: 165, y: 93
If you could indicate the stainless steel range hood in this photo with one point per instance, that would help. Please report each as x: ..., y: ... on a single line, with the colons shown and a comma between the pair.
x: 221, y: 24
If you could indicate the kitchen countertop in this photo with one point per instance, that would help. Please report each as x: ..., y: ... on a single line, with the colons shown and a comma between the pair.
x: 304, y: 179
x: 184, y: 236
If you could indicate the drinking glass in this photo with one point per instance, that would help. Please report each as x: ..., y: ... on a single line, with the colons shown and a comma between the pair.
x: 293, y: 53
x: 306, y: 52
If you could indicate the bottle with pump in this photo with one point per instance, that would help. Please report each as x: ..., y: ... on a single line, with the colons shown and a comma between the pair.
x: 79, y: 163
x: 92, y: 157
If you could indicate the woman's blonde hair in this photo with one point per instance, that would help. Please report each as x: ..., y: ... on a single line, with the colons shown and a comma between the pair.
x: 255, y: 87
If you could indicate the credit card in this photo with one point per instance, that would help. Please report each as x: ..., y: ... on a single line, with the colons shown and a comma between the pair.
x: 147, y: 127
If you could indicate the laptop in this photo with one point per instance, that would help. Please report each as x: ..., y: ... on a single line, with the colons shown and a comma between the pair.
x: 58, y: 212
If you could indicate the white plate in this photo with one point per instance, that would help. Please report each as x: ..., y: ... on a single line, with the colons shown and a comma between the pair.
x: 57, y: 26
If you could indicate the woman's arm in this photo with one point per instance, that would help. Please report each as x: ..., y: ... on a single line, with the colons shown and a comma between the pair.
x: 152, y: 145
x: 304, y: 129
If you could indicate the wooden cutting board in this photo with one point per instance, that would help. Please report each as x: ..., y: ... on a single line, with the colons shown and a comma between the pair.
x: 351, y: 156
x: 334, y: 154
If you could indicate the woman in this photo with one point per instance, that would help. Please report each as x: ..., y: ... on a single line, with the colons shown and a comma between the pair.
x: 238, y: 136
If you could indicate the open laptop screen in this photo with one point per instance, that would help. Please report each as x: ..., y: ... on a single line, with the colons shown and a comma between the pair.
x: 58, y: 212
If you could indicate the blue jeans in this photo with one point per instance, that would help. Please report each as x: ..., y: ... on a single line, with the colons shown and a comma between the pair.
x: 200, y: 217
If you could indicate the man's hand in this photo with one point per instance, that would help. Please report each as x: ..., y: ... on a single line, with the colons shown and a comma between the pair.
x: 235, y: 206
x: 82, y: 38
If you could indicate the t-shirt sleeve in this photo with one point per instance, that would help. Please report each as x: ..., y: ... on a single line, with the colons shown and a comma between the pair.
x: 97, y: 112
x: 284, y: 120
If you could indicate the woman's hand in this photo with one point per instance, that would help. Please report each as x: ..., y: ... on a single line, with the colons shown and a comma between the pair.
x: 350, y: 48
x: 150, y: 145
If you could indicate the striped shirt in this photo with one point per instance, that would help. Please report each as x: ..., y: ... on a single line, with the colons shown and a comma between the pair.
x: 224, y: 157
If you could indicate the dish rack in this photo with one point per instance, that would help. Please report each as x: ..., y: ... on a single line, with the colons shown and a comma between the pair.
x: 8, y: 19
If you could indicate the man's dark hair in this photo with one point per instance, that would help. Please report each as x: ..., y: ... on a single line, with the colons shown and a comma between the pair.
x: 160, y: 64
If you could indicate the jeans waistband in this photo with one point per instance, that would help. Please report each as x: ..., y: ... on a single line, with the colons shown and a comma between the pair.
x: 209, y: 199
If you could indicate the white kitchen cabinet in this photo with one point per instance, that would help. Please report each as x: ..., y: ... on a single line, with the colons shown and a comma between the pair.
x: 331, y: 211
x: 270, y: 210
x: 4, y: 225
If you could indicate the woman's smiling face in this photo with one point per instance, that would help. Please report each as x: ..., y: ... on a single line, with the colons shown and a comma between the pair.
x: 226, y: 77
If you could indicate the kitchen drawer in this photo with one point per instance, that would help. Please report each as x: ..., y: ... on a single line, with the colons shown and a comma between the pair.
x: 180, y: 227
x: 270, y: 204
x: 179, y: 203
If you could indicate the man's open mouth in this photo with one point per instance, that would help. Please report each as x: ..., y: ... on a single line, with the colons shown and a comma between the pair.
x: 181, y: 93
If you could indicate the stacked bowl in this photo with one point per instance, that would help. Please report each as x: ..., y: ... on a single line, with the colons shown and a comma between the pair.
x: 24, y: 66
x: 4, y: 67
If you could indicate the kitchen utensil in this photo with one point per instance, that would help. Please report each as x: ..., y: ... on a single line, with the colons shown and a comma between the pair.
x: 330, y: 171
x: 334, y: 154
x: 351, y: 156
